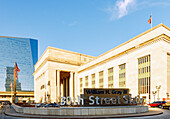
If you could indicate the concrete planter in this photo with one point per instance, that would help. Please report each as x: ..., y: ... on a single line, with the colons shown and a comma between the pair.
x: 110, y: 110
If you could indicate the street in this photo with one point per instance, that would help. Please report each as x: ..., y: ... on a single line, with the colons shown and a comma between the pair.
x: 3, y: 116
x: 165, y: 115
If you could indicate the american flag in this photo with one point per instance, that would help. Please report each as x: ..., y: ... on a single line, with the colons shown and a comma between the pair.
x: 16, y: 70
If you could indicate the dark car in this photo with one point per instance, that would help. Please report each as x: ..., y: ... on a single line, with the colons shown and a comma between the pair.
x: 157, y: 104
x: 39, y: 105
x: 51, y: 105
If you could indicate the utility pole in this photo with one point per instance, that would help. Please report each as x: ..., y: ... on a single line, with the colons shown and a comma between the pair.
x: 158, y: 89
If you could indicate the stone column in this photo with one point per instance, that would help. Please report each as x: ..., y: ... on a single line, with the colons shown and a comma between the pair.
x: 50, y: 75
x: 83, y: 81
x: 62, y: 89
x: 35, y: 90
x: 89, y: 83
x: 76, y: 89
x: 105, y: 78
x: 116, y: 77
x: 71, y: 85
x: 97, y: 80
x: 58, y: 86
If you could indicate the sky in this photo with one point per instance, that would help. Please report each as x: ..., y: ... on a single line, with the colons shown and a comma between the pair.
x: 90, y: 27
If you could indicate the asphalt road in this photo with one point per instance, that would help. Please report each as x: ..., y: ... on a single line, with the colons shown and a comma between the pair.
x: 3, y: 116
x: 165, y: 115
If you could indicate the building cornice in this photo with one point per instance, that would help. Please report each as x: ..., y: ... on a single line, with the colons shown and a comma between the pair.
x: 41, y: 57
x: 135, y: 38
x: 40, y: 66
x: 40, y: 63
x: 161, y: 37
x: 48, y: 48
x: 55, y: 60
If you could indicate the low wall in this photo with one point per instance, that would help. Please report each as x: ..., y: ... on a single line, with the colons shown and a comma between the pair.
x: 109, y: 110
x: 18, y: 108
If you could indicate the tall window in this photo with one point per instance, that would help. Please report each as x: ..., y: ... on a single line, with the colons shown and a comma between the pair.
x: 144, y: 75
x: 122, y: 75
x: 86, y: 81
x: 93, y: 80
x: 101, y: 79
x: 110, y: 78
x: 81, y: 85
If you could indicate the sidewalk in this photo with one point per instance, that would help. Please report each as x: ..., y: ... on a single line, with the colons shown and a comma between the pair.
x: 11, y: 112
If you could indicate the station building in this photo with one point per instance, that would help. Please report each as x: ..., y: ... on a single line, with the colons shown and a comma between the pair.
x: 141, y: 64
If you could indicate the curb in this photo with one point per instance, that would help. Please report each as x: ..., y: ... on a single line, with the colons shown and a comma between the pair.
x: 85, y: 117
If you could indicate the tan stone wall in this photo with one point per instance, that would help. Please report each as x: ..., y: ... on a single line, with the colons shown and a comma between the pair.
x: 168, y: 73
x: 67, y: 57
x: 158, y: 68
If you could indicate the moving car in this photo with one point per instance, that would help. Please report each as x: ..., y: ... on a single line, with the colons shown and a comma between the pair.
x: 166, y: 105
x: 51, y: 105
x: 39, y: 105
x: 157, y: 104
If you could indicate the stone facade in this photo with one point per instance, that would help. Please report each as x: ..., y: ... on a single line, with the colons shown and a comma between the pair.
x: 59, y: 72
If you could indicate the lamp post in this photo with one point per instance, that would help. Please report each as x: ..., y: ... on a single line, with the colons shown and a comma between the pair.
x: 154, y: 93
x: 158, y: 89
x: 167, y: 95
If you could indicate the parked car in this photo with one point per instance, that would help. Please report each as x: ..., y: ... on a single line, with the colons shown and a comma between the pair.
x: 39, y: 105
x: 166, y: 105
x: 51, y: 105
x: 157, y: 104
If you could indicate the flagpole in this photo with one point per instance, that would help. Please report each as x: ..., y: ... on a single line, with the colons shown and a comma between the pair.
x: 11, y: 95
x: 14, y: 85
x: 151, y: 20
x: 15, y: 82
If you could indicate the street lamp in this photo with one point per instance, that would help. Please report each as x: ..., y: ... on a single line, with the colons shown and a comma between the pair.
x: 154, y: 93
x: 158, y: 89
x: 167, y: 95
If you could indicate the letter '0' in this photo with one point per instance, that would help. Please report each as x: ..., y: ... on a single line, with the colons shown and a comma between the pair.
x: 68, y: 100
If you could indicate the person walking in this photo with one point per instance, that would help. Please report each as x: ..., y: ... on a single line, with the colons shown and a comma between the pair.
x: 10, y: 105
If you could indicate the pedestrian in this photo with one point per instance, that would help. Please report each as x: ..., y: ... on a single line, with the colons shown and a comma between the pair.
x: 10, y: 105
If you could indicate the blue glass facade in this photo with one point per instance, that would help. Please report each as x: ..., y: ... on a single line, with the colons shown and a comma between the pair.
x: 25, y: 52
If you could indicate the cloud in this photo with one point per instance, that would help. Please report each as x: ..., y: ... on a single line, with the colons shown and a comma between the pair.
x: 73, y: 23
x: 121, y: 8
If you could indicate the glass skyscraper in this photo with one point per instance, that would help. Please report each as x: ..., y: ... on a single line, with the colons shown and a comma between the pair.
x: 25, y: 52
